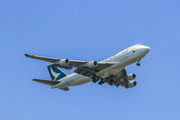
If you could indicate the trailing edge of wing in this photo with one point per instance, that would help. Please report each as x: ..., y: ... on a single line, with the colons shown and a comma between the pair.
x: 103, y: 65
x: 47, y: 82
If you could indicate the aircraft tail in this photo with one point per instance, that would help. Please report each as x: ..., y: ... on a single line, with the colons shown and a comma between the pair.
x: 55, y: 73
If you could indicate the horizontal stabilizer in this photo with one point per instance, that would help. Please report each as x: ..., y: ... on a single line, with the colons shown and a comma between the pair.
x: 47, y: 82
x: 65, y: 89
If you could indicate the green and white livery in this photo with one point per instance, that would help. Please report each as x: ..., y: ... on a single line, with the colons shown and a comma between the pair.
x: 111, y: 70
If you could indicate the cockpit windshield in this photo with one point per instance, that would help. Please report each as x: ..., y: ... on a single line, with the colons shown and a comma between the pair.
x: 139, y: 44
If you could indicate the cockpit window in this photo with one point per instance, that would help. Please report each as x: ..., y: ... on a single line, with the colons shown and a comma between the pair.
x: 139, y: 44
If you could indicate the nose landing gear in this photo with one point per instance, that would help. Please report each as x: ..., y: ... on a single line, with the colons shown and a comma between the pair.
x: 138, y: 64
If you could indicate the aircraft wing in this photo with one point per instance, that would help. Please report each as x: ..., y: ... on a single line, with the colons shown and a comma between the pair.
x: 119, y: 78
x: 69, y: 64
x: 47, y: 59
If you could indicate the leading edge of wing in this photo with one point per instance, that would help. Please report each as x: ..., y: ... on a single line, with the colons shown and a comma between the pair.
x: 48, y: 59
x: 72, y: 63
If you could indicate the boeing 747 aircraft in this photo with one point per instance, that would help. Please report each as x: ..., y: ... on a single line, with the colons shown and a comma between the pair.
x: 111, y: 70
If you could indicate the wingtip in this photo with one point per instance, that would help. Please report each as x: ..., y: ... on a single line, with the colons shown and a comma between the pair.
x: 34, y: 79
x: 27, y: 55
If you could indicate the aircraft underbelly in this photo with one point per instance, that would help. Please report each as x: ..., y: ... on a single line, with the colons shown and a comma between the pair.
x: 121, y: 64
x: 116, y: 68
x: 80, y: 81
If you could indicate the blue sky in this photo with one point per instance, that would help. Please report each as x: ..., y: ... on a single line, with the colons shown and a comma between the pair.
x: 89, y: 30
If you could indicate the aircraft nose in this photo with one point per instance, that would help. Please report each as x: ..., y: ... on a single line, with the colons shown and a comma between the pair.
x: 146, y: 49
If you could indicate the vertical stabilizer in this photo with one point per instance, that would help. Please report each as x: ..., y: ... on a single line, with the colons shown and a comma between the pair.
x: 55, y: 73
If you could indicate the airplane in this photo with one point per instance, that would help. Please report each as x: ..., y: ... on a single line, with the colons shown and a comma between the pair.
x: 111, y: 70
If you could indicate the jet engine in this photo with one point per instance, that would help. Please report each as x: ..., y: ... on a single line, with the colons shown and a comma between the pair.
x: 131, y: 76
x: 131, y: 84
x: 64, y: 62
x: 92, y: 64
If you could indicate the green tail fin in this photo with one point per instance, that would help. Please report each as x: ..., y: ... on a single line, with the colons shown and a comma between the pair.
x: 55, y: 73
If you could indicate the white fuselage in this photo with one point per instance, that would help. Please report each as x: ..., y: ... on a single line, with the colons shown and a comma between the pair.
x: 121, y: 60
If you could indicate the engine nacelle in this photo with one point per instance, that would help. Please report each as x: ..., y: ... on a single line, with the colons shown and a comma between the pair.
x: 131, y: 84
x: 92, y: 64
x: 64, y: 62
x: 131, y: 76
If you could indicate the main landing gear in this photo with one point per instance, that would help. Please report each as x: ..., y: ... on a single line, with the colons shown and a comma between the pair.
x: 95, y: 78
x: 101, y: 82
x: 138, y: 64
x: 111, y: 82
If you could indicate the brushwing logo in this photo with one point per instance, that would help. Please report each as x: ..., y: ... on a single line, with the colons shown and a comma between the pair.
x: 55, y: 75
